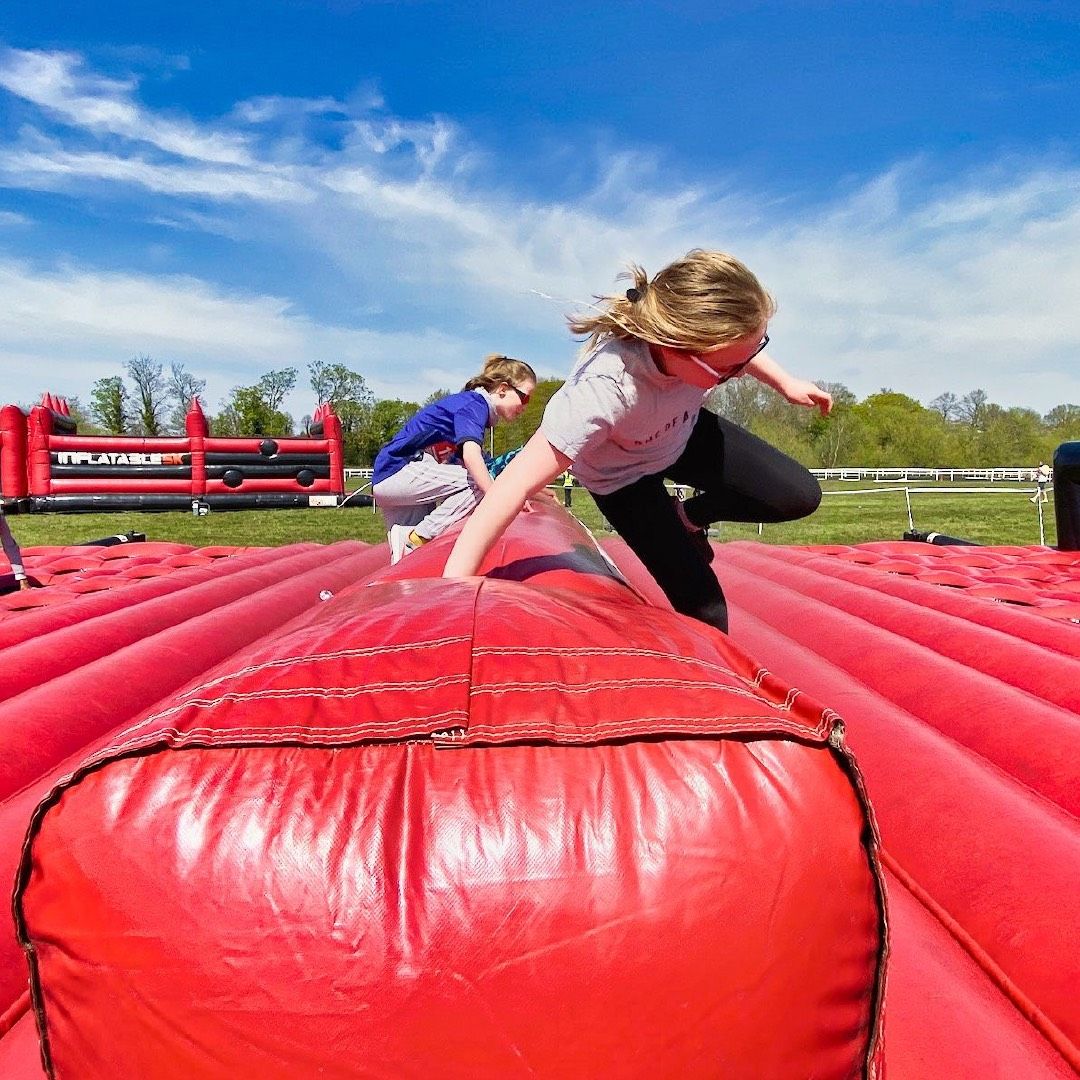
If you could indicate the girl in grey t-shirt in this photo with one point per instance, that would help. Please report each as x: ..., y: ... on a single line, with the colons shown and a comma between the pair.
x: 629, y: 417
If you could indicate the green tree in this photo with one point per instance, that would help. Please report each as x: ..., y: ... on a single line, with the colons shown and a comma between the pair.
x: 1008, y: 436
x: 274, y: 385
x: 347, y: 391
x: 508, y: 436
x: 384, y: 421
x: 900, y: 431
x: 150, y: 394
x: 109, y: 404
x: 181, y: 387
x: 836, y: 437
x: 247, y: 412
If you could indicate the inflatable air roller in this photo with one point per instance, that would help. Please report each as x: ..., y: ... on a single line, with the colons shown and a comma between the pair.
x: 521, y: 825
x: 1067, y: 495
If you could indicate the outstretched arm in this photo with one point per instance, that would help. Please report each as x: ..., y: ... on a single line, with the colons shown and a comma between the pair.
x: 472, y: 457
x: 535, y: 466
x: 798, y: 391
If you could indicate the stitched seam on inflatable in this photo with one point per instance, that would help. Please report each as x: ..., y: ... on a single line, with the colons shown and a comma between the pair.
x: 307, y: 658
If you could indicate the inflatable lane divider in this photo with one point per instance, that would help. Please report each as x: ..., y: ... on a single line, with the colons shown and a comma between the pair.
x: 1004, y: 862
x: 13, y: 631
x: 132, y: 678
x: 647, y: 832
x: 1024, y: 735
x: 203, y: 590
x: 112, y: 690
x: 1016, y: 622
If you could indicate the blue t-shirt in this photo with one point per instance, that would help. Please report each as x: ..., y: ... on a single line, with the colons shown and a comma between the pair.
x: 459, y: 418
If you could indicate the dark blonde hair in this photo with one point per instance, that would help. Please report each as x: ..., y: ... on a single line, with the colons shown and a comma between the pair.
x: 704, y: 299
x: 499, y: 370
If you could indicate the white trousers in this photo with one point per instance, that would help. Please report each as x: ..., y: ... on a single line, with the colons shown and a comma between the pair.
x: 427, y: 496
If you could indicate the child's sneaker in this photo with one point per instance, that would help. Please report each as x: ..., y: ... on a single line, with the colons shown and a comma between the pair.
x: 399, y: 543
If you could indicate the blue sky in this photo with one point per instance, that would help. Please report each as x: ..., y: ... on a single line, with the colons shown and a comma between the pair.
x: 240, y: 187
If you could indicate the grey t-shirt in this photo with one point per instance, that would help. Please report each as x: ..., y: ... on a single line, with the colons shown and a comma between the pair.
x: 619, y: 418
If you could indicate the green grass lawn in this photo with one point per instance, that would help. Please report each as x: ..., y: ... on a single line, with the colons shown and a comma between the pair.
x: 1007, y: 518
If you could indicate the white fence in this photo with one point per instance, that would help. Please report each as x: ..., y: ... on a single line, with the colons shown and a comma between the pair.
x: 1023, y: 474
x: 1013, y: 473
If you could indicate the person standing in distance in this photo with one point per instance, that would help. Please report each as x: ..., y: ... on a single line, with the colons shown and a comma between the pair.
x: 630, y: 417
x: 1042, y: 478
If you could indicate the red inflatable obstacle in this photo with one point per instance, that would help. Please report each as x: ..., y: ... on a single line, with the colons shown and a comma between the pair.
x: 44, y: 458
x: 521, y: 825
x: 957, y: 671
x: 12, y: 453
x: 84, y: 661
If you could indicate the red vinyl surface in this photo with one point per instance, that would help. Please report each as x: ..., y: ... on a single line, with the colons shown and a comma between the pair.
x: 521, y: 825
x: 961, y: 704
x: 965, y: 717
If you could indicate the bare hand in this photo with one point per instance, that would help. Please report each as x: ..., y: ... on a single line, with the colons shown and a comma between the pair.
x: 24, y: 584
x: 802, y: 392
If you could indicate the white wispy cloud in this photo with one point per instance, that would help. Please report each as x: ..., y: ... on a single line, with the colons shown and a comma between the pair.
x: 59, y: 83
x: 910, y: 279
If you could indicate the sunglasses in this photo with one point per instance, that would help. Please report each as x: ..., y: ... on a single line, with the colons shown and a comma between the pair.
x: 520, y: 393
x: 738, y: 369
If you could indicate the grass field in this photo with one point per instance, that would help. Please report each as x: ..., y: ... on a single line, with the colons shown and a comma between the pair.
x: 1004, y: 516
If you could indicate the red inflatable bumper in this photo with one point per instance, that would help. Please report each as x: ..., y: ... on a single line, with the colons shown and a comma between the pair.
x: 479, y: 828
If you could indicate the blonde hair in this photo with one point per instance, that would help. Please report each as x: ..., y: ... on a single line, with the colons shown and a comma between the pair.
x: 499, y: 370
x: 704, y: 299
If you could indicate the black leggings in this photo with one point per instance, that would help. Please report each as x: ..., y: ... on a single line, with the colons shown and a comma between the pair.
x: 740, y: 478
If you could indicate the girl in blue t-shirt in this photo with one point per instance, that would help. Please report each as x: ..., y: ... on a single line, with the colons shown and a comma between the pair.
x: 420, y: 496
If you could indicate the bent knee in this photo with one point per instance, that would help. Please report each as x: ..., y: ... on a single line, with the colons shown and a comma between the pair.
x: 802, y: 499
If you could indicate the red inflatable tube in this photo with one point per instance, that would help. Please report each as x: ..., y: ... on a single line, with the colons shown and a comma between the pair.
x: 289, y: 484
x: 476, y: 828
x: 13, y: 452
x: 48, y: 621
x: 962, y: 829
x: 116, y: 485
x: 111, y: 684
x: 1012, y: 660
x: 125, y: 618
x: 1017, y: 623
x: 332, y: 430
x: 19, y: 1055
x: 1034, y: 740
x: 119, y: 444
x: 1001, y: 862
x: 945, y: 1017
x: 133, y: 677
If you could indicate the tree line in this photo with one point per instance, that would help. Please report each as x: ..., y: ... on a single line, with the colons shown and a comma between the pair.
x: 883, y: 429
x: 149, y: 399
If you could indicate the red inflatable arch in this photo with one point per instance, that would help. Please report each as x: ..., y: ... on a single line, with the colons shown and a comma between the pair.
x: 526, y: 824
